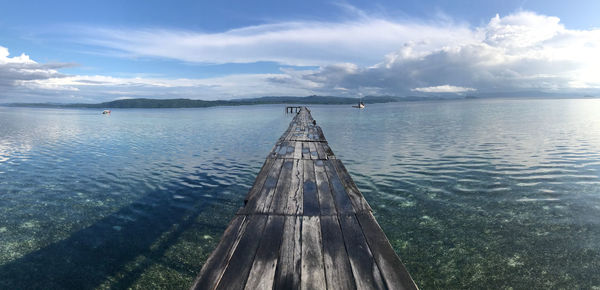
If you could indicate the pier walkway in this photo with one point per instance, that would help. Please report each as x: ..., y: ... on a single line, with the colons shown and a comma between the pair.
x: 304, y: 225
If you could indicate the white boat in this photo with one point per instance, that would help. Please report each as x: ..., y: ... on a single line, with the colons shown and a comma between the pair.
x: 360, y: 105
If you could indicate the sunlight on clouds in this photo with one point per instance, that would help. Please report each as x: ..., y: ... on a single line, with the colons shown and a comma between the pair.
x: 5, y: 59
x: 105, y: 88
x: 443, y: 89
x: 363, y: 41
x: 366, y: 56
x: 522, y: 51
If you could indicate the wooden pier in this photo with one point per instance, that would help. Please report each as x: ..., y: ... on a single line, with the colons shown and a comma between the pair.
x: 304, y: 225
x: 292, y: 109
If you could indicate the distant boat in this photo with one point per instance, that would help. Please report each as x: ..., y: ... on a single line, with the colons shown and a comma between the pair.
x: 360, y: 105
x: 106, y: 112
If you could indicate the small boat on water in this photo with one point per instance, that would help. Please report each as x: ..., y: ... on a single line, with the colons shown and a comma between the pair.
x: 106, y: 112
x: 360, y: 105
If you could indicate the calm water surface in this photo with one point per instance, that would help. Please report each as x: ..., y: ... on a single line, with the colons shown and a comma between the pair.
x: 472, y: 194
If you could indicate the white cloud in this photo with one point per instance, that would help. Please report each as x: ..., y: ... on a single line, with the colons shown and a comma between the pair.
x: 365, y: 56
x: 444, y: 89
x: 16, y: 71
x: 105, y: 88
x: 363, y: 41
x: 522, y: 51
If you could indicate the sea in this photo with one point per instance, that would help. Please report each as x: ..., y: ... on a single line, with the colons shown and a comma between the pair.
x: 472, y: 194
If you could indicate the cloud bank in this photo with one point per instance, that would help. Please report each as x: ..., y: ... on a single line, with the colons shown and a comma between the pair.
x: 523, y: 51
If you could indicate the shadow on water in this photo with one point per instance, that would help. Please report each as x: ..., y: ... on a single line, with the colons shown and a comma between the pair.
x: 146, y: 228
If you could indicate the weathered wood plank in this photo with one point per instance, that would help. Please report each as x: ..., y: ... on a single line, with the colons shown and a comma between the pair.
x: 342, y: 200
x: 260, y: 180
x: 289, y: 266
x: 239, y: 265
x: 290, y: 150
x: 338, y: 271
x: 359, y: 202
x: 364, y: 268
x: 305, y: 150
x: 262, y: 274
x: 328, y: 150
x: 280, y: 197
x: 295, y: 203
x: 320, y: 150
x: 257, y: 202
x: 393, y: 271
x: 283, y: 149
x: 313, y: 271
x: 298, y: 150
x: 310, y: 198
x: 215, y: 265
x: 268, y: 191
x: 326, y: 203
x: 320, y: 134
x: 314, y: 155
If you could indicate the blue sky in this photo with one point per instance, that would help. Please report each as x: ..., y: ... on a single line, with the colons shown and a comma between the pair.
x: 90, y: 51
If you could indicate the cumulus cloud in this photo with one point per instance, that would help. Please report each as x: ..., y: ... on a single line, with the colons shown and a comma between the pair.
x: 25, y: 80
x: 365, y: 56
x: 522, y: 51
x: 16, y: 70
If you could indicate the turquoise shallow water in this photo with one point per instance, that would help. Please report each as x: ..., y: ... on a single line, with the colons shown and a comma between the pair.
x: 472, y: 194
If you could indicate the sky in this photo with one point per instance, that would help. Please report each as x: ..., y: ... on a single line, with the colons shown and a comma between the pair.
x: 95, y: 51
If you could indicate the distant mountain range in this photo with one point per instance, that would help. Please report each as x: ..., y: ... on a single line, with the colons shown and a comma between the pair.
x: 188, y: 103
x: 309, y: 100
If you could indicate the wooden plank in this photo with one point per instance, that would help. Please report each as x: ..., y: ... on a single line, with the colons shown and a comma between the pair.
x: 215, y: 265
x: 320, y: 150
x: 288, y: 271
x: 342, y: 200
x: 298, y: 150
x: 260, y: 180
x: 359, y: 202
x: 320, y: 134
x: 268, y: 192
x: 312, y: 134
x: 310, y: 198
x: 326, y: 203
x: 290, y: 150
x: 280, y: 196
x: 313, y: 271
x: 314, y: 155
x: 239, y: 265
x: 364, y: 268
x: 273, y: 153
x: 291, y: 131
x: 338, y: 270
x: 280, y: 150
x: 262, y: 274
x: 305, y: 150
x: 393, y: 271
x: 295, y: 203
x: 328, y: 150
x: 256, y: 203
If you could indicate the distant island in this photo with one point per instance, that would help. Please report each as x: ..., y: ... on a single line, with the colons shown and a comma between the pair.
x: 146, y: 103
x: 188, y: 103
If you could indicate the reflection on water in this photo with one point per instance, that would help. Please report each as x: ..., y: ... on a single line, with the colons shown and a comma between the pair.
x: 481, y: 194
x: 472, y: 194
x: 139, y: 197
